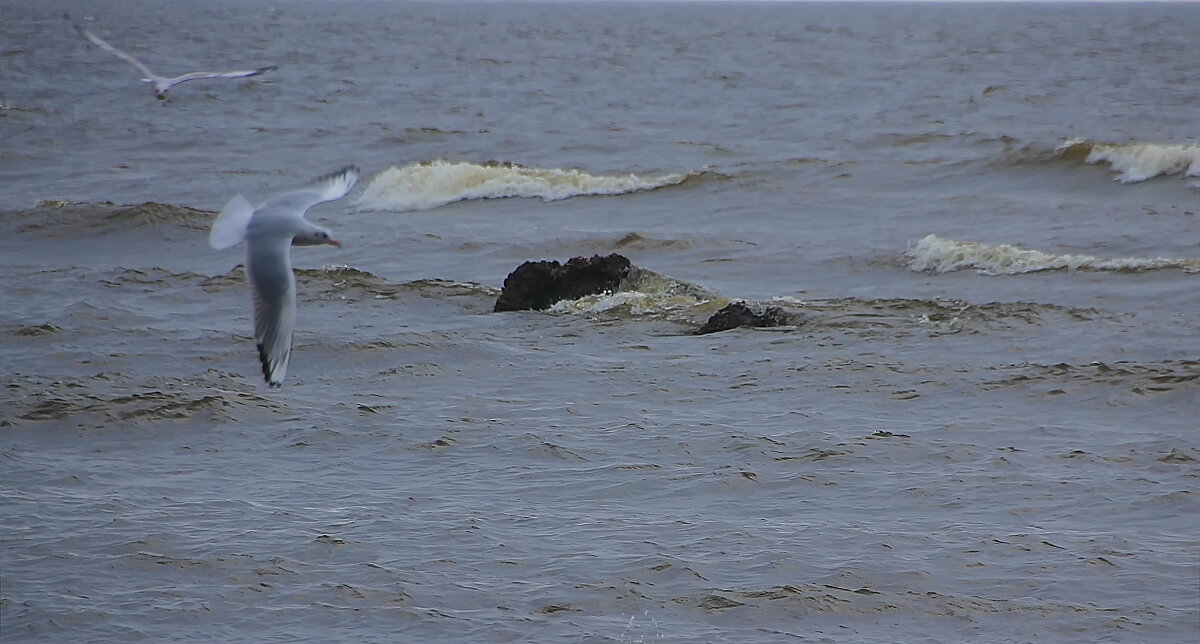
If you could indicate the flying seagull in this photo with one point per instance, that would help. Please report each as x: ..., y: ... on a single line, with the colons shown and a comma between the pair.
x: 270, y: 230
x: 162, y: 84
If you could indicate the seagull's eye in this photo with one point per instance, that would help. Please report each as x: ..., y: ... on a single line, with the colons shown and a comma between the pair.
x: 322, y: 235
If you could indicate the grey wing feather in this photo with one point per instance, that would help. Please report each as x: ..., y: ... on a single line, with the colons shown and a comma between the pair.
x: 183, y: 78
x: 270, y: 274
x: 326, y: 188
x: 274, y: 323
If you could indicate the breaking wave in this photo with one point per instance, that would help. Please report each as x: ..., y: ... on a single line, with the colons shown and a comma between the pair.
x: 422, y: 186
x: 942, y: 255
x: 1134, y: 162
x: 646, y: 293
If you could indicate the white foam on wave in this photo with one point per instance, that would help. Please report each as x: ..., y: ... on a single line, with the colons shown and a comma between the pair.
x: 630, y: 302
x: 54, y: 204
x: 643, y: 292
x: 421, y: 186
x: 941, y: 255
x: 1134, y: 162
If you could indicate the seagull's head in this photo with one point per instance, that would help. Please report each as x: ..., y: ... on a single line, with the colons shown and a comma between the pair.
x: 160, y: 92
x: 315, y: 237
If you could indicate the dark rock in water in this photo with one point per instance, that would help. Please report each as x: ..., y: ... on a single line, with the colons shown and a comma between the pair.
x: 738, y: 314
x: 538, y: 285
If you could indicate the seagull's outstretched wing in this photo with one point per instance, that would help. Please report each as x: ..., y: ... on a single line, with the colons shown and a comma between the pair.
x: 269, y: 270
x: 326, y: 188
x: 150, y: 76
x: 229, y: 227
x: 274, y: 322
x: 183, y: 78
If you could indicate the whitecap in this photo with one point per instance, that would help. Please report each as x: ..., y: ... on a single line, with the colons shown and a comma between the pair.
x: 1135, y: 162
x: 941, y: 255
x: 421, y: 186
x: 644, y: 293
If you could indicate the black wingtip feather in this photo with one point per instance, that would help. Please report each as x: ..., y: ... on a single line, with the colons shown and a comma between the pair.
x: 338, y: 173
x: 266, y: 369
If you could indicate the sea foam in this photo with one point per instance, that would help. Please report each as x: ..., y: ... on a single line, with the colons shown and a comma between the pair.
x: 1134, y: 162
x: 421, y: 186
x: 646, y: 293
x: 940, y: 255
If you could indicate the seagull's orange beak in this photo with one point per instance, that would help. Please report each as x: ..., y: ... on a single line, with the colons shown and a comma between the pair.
x: 335, y: 242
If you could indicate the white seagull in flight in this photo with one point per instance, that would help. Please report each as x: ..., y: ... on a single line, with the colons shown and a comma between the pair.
x: 270, y: 230
x: 162, y: 84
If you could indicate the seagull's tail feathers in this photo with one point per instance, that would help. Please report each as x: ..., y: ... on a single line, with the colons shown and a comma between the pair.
x: 229, y: 228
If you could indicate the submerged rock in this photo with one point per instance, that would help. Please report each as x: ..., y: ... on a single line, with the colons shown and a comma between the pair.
x: 737, y: 314
x: 538, y: 285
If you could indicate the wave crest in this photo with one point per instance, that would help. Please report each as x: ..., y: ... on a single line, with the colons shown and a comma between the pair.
x: 422, y: 186
x: 1135, y: 162
x: 940, y: 255
x: 647, y: 293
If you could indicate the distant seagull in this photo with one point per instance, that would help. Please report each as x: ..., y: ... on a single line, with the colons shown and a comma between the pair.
x: 161, y: 84
x: 270, y: 230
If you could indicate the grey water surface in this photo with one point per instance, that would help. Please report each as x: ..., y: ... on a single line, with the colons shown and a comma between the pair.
x: 995, y: 454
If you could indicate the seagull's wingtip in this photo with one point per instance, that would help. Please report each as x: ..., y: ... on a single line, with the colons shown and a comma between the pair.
x: 348, y: 174
x: 268, y: 368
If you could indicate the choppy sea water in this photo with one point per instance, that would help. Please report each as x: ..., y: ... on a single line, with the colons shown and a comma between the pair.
x: 982, y: 426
